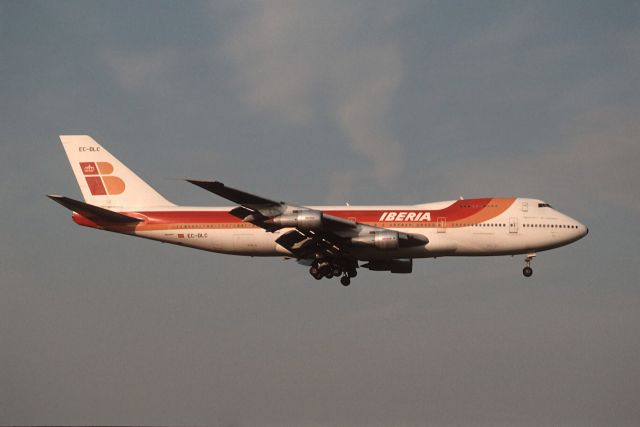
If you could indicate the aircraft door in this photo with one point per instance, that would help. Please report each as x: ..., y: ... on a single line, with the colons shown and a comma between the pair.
x: 442, y: 225
x: 513, y: 225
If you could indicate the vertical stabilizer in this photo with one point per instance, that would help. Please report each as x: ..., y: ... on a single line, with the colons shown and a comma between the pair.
x: 104, y: 180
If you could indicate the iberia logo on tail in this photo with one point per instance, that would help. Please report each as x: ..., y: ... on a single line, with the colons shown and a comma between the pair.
x: 99, y: 178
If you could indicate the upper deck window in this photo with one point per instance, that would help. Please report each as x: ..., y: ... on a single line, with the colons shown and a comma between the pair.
x: 544, y: 205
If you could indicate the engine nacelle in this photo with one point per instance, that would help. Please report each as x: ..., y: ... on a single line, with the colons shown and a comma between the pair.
x: 402, y: 266
x: 384, y: 240
x: 304, y: 220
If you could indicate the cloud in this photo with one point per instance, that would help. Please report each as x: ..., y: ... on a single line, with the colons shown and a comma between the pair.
x: 602, y: 157
x: 595, y: 159
x: 342, y: 185
x: 137, y: 70
x: 304, y: 60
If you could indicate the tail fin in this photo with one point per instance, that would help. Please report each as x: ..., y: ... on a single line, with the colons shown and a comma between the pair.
x: 104, y: 180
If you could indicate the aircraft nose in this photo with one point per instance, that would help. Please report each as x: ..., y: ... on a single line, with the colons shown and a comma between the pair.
x: 584, y: 230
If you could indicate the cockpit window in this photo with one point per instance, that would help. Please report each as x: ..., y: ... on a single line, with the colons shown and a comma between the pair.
x: 544, y: 205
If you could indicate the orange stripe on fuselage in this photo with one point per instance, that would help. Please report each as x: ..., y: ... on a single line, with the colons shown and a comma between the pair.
x: 481, y: 212
x: 471, y: 211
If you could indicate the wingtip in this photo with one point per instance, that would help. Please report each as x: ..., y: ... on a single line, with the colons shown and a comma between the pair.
x: 201, y: 183
x: 58, y: 199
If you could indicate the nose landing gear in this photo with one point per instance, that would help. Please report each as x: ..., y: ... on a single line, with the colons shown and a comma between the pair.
x: 527, y: 270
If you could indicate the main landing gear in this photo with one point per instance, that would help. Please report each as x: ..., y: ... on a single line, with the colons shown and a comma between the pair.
x: 527, y: 270
x: 330, y: 269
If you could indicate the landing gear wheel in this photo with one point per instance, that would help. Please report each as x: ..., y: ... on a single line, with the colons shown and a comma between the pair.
x: 325, y: 271
x: 352, y: 273
x: 336, y: 270
x: 527, y: 270
x: 315, y: 272
x: 345, y: 280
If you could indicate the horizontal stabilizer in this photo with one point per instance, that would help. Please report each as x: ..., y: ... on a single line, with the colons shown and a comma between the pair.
x: 92, y: 212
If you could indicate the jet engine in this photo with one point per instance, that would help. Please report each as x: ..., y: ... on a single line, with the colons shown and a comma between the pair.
x: 389, y: 240
x: 303, y: 220
x: 385, y: 240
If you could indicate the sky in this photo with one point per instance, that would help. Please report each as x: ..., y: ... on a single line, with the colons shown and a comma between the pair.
x: 360, y: 102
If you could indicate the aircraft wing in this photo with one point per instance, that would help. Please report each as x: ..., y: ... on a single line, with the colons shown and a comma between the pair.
x: 262, y: 212
x: 314, y: 232
x: 265, y: 207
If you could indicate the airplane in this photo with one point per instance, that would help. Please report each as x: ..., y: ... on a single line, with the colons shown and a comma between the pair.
x: 333, y: 241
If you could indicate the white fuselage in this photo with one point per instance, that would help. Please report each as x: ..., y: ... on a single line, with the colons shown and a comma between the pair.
x: 475, y: 227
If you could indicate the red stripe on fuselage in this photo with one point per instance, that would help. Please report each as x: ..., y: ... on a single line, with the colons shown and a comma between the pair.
x: 190, y: 217
x: 458, y: 211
